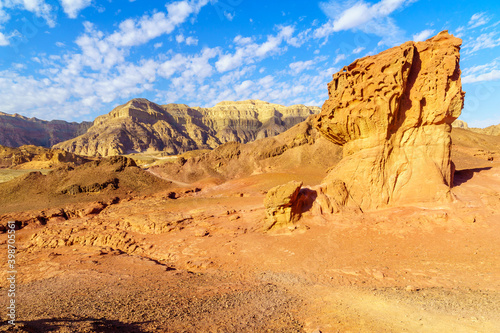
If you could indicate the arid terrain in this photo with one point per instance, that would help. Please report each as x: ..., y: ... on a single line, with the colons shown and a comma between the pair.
x: 392, y: 227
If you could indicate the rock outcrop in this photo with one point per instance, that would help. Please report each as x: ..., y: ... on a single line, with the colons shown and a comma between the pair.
x: 282, y: 205
x: 33, y: 157
x: 16, y: 130
x: 392, y: 113
x: 460, y: 124
x: 141, y: 125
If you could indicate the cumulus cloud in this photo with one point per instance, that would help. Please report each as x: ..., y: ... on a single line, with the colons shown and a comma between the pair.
x: 423, y: 35
x: 39, y: 7
x: 300, y: 66
x: 247, y: 51
x: 189, y: 40
x: 137, y: 32
x: 73, y: 7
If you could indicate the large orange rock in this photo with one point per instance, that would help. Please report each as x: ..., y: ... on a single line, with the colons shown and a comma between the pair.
x: 392, y: 113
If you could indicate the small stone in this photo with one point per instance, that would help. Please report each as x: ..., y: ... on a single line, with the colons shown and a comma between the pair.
x: 201, y: 232
x: 411, y: 288
x: 378, y: 275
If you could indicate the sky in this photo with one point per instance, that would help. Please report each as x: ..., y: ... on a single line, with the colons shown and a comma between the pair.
x: 77, y: 59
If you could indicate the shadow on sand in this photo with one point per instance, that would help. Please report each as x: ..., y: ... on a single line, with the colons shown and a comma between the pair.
x: 462, y: 176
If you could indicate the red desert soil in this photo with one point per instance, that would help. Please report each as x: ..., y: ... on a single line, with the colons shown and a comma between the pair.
x: 201, y: 263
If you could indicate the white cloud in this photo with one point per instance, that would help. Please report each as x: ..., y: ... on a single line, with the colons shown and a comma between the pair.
x: 73, y: 7
x: 179, y: 38
x: 478, y: 20
x: 229, y: 16
x: 39, y: 7
x: 133, y: 33
x: 423, y: 35
x: 490, y: 76
x: 248, y: 52
x: 479, y: 73
x: 299, y: 66
x: 358, y: 50
x: 483, y: 41
x: 339, y: 58
x: 3, y: 40
x: 347, y: 16
x: 158, y: 45
x: 189, y: 40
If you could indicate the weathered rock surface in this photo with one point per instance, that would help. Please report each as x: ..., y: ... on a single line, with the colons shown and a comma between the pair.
x: 33, y: 157
x: 16, y: 130
x: 392, y: 113
x: 282, y: 205
x: 141, y: 125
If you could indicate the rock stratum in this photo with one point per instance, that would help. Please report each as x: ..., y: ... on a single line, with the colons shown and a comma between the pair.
x: 17, y: 130
x: 392, y: 113
x: 141, y: 126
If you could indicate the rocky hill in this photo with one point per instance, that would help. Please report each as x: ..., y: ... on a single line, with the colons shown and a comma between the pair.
x: 17, y: 130
x: 34, y: 157
x: 141, y: 125
x: 491, y: 130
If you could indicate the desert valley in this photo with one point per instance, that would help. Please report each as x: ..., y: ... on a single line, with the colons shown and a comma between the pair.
x: 379, y: 212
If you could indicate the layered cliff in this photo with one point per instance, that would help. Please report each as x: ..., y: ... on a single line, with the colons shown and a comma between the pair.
x: 17, y: 130
x: 141, y: 125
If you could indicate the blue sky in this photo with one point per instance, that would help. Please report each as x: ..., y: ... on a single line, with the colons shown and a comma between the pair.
x: 77, y: 59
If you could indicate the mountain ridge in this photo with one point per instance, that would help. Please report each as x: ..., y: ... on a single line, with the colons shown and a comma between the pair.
x: 141, y: 125
x: 17, y: 130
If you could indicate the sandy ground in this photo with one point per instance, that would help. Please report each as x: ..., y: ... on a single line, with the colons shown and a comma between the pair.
x: 201, y: 263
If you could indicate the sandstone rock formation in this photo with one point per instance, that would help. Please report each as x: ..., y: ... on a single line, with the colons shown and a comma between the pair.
x: 141, y: 125
x: 16, y: 130
x: 33, y: 157
x: 392, y: 113
x: 460, y: 124
x: 282, y: 205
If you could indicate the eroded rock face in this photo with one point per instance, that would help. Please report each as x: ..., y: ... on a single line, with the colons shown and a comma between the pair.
x: 392, y: 113
x: 282, y: 205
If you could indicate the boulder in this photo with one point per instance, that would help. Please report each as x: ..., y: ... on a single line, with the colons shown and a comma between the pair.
x: 392, y: 113
x: 282, y: 205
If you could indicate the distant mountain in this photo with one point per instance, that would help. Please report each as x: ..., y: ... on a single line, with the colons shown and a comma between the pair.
x: 141, y: 125
x: 492, y: 130
x: 16, y: 131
